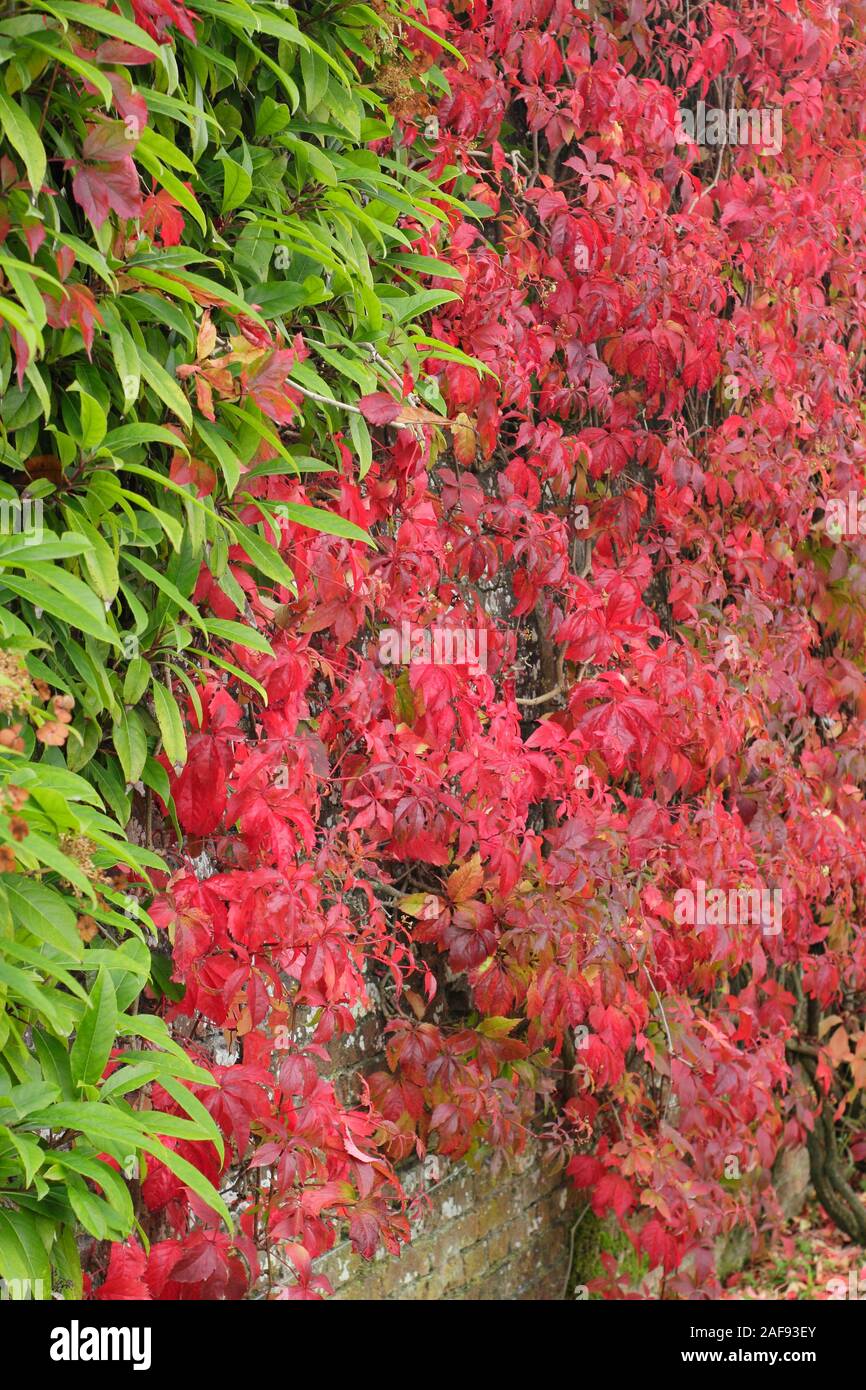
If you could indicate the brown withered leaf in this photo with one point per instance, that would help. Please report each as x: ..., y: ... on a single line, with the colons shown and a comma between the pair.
x: 86, y: 928
x: 45, y: 466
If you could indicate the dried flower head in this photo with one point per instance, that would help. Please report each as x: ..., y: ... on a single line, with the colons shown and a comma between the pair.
x: 16, y: 687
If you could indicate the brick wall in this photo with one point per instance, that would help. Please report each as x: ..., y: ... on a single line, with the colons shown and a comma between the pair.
x: 475, y: 1236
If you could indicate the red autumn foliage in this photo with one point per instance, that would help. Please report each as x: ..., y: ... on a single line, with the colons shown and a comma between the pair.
x: 672, y: 691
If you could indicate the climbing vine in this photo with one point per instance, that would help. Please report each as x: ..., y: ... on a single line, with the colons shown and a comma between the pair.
x: 449, y: 439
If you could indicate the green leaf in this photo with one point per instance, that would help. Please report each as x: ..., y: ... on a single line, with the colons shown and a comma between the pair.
x: 43, y: 912
x: 116, y: 1192
x: 237, y: 184
x: 362, y: 442
x: 264, y: 556
x: 74, y: 605
x: 165, y: 387
x: 103, y: 21
x: 133, y: 436
x: 153, y: 1030
x: 229, y: 463
x: 155, y: 776
x: 320, y: 520
x: 315, y: 74
x: 24, y: 1263
x: 67, y: 1262
x: 130, y: 744
x: 243, y: 636
x: 24, y: 139
x: 72, y: 61
x: 190, y: 1176
x: 136, y: 680
x: 99, y: 560
x: 166, y: 587
x: 427, y: 265
x: 94, y: 423
x: 196, y: 1111
x: 96, y: 1032
x: 170, y: 723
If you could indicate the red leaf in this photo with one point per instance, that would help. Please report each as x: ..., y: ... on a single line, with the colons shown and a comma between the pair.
x: 379, y: 408
x: 111, y: 189
x: 125, y: 1280
x: 200, y: 790
x: 195, y: 472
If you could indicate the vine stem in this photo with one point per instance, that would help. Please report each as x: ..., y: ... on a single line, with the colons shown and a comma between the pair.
x: 344, y: 405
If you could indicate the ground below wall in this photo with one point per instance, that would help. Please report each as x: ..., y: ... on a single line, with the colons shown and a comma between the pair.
x: 475, y: 1236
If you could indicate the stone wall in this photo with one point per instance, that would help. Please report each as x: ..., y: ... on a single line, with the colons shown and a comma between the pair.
x: 474, y: 1236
